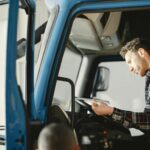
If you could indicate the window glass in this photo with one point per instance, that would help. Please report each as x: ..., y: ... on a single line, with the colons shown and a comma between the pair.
x: 21, y: 50
x: 40, y: 25
x: 126, y: 90
x: 69, y: 68
x: 3, y: 40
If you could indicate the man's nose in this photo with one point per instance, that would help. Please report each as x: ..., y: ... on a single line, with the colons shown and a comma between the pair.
x: 131, y: 68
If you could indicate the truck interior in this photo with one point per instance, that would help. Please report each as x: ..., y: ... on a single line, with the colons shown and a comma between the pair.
x: 93, y: 46
x: 91, y: 68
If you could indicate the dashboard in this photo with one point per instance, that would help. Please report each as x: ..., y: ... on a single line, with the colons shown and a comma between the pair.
x: 96, y: 132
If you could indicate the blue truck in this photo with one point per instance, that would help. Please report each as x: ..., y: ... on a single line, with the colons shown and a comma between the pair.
x: 55, y: 56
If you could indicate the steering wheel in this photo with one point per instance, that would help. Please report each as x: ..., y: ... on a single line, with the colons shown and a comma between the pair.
x: 84, y: 104
x: 57, y: 114
x: 105, y: 120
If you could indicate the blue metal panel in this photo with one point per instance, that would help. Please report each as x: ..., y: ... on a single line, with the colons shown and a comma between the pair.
x: 30, y: 60
x: 16, y: 129
x: 56, y: 43
x: 42, y: 84
x: 72, y: 3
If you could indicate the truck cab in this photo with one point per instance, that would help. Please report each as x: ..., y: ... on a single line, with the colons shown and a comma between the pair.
x: 56, y: 57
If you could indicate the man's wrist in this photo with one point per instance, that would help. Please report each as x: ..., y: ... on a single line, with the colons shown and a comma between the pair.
x: 111, y: 110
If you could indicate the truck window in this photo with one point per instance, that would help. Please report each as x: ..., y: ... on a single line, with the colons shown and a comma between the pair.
x: 3, y: 39
x: 40, y: 26
x: 21, y: 50
x: 125, y: 90
x: 69, y: 68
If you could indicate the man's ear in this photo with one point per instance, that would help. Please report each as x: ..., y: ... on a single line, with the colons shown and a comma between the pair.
x: 141, y: 52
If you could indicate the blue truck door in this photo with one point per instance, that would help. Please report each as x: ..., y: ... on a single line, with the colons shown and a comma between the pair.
x: 16, y: 129
x: 17, y: 122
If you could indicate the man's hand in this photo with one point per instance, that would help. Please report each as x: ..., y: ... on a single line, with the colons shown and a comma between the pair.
x: 101, y: 108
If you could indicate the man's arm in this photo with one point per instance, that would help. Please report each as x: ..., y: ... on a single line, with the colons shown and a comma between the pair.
x: 127, y: 118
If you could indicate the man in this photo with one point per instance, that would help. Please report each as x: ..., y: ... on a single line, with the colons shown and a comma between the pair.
x: 137, y: 55
x: 57, y: 137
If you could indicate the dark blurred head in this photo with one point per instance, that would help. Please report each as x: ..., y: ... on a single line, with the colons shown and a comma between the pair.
x: 56, y: 137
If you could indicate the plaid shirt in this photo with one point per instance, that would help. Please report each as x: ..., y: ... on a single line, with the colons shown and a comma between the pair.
x: 134, y: 119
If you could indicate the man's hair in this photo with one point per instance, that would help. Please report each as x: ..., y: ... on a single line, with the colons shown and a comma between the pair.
x: 56, y: 137
x: 134, y: 45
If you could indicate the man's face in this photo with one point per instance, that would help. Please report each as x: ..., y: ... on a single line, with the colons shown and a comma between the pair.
x: 136, y: 62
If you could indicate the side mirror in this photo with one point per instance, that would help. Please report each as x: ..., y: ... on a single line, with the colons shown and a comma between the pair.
x: 101, y: 80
